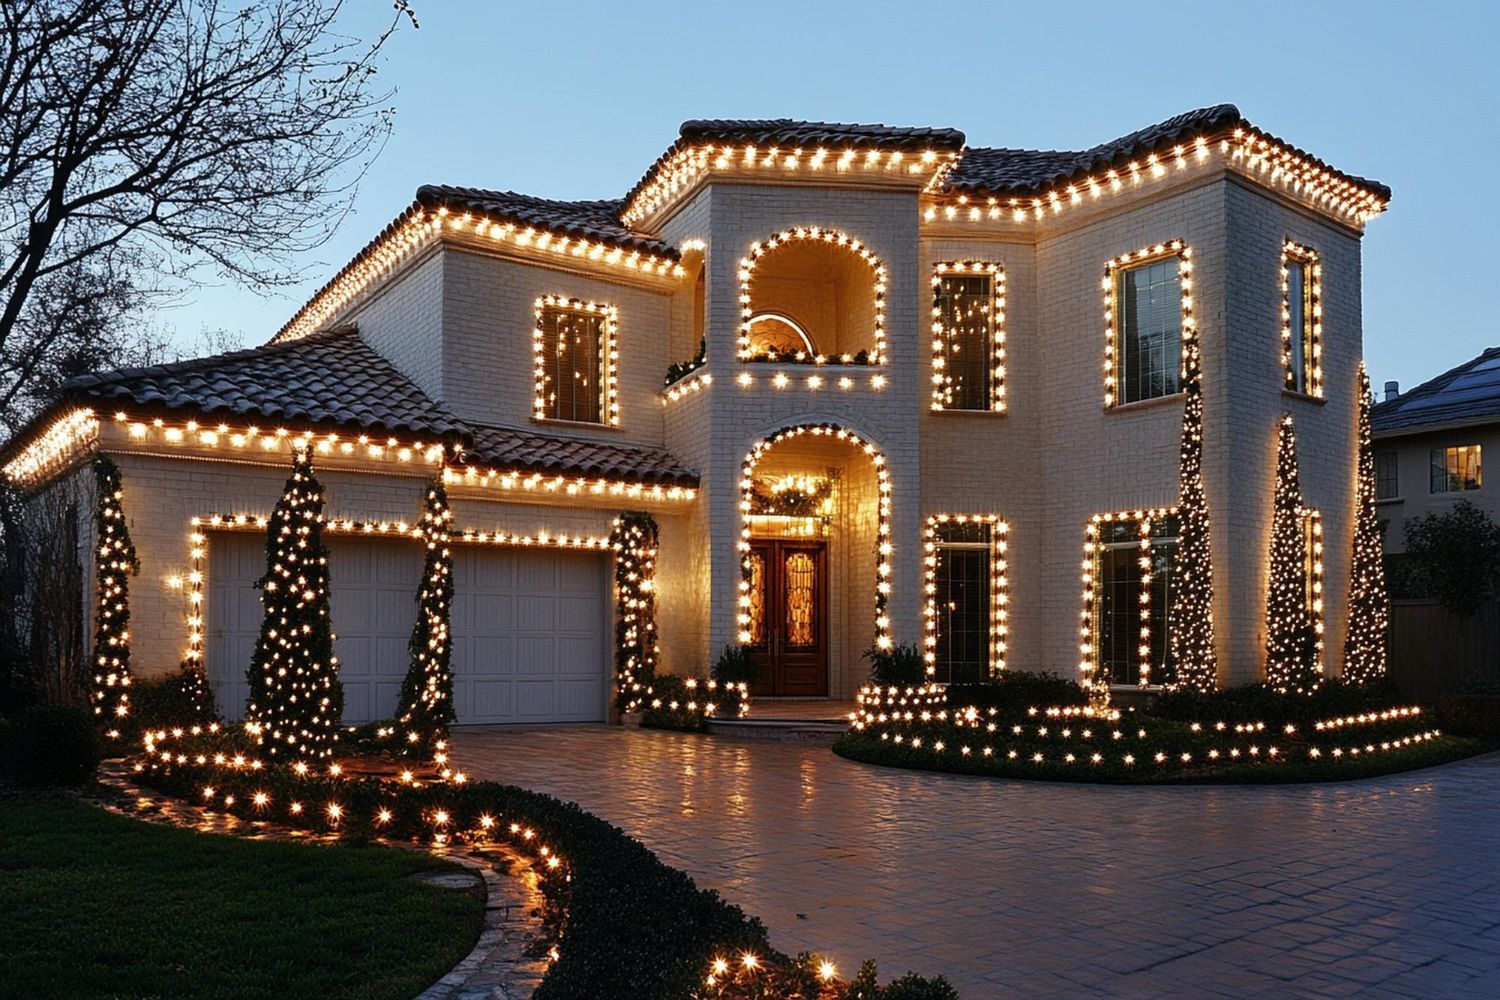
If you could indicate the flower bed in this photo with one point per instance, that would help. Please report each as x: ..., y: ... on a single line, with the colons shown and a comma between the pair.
x: 922, y: 727
x: 625, y: 924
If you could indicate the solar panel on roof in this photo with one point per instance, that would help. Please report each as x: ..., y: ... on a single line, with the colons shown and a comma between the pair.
x: 1475, y: 379
x: 1452, y: 398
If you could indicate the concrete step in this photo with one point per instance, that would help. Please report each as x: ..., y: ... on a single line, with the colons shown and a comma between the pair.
x: 790, y: 730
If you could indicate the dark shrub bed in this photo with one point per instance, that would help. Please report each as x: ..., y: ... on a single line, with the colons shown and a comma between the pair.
x: 1257, y: 703
x: 49, y: 745
x: 1471, y: 715
x: 1014, y: 691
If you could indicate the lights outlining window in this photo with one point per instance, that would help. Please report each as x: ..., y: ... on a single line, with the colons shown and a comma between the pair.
x: 1127, y: 576
x: 1456, y: 470
x: 1387, y: 476
x: 966, y: 612
x: 1302, y: 319
x: 812, y: 235
x: 576, y: 361
x: 1148, y: 317
x: 968, y: 336
x: 1312, y: 571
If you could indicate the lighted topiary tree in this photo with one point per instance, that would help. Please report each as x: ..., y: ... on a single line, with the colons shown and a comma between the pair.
x: 426, y: 709
x: 1292, y: 665
x: 192, y: 681
x: 634, y: 540
x: 296, y: 697
x: 1369, y: 603
x: 1191, y: 631
x: 114, y: 564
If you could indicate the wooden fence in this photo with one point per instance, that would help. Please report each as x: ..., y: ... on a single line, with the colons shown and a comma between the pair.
x: 1434, y: 652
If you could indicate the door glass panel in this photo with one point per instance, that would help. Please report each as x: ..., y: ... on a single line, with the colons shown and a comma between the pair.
x: 801, y: 593
x: 757, y: 610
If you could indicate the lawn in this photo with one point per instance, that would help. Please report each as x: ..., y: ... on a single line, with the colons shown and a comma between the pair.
x: 99, y: 905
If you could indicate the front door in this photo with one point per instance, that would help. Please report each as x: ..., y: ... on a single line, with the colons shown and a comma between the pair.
x: 789, y: 617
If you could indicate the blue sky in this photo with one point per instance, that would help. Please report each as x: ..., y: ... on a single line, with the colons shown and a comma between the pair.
x: 575, y: 101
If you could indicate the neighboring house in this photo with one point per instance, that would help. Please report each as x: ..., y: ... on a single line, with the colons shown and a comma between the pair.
x: 1431, y: 443
x: 934, y: 378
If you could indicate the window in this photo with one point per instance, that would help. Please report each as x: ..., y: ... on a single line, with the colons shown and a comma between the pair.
x: 968, y: 336
x: 1312, y: 571
x: 1301, y: 319
x: 1455, y: 470
x: 1132, y: 597
x: 966, y: 601
x: 575, y: 361
x: 1148, y: 315
x: 1387, y: 482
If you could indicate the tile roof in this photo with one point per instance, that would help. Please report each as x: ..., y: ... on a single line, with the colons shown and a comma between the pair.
x: 1467, y: 394
x: 790, y: 131
x: 332, y: 377
x: 594, y: 220
x: 1028, y: 171
x: 533, y: 452
x: 335, y: 379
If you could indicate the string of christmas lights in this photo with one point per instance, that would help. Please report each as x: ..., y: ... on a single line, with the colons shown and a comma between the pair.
x: 426, y: 707
x: 814, y: 234
x: 296, y: 696
x: 635, y: 541
x: 114, y: 564
x: 1190, y: 632
x: 1292, y: 662
x: 983, y: 325
x: 1369, y: 603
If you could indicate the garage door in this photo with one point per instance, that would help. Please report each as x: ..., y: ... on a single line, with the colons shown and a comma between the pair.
x: 529, y: 628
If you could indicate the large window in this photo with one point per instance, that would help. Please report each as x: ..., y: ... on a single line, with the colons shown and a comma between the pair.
x: 1455, y: 470
x: 1147, y: 323
x: 1301, y: 319
x: 966, y: 613
x: 575, y: 361
x: 1132, y: 580
x: 968, y: 336
x: 1387, y: 480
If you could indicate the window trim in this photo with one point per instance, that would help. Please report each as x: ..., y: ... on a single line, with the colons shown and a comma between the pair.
x: 609, y: 360
x: 1090, y: 671
x: 1312, y: 308
x: 1113, y: 268
x: 999, y: 619
x: 1312, y: 520
x: 1394, y: 457
x: 970, y: 268
x: 1444, y: 450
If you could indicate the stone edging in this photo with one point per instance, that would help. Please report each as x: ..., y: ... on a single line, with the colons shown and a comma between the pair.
x: 498, y: 967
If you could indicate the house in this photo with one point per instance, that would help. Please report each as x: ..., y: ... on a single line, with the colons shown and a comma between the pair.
x: 1430, y: 444
x: 920, y: 392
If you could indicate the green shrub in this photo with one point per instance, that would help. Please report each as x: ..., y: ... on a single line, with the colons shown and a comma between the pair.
x: 734, y: 665
x: 1470, y: 715
x: 866, y: 986
x: 164, y: 702
x: 897, y: 666
x: 666, y: 706
x: 50, y: 745
x: 1257, y: 703
x: 1014, y: 691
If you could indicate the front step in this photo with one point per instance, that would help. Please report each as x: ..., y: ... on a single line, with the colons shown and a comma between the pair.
x: 788, y: 730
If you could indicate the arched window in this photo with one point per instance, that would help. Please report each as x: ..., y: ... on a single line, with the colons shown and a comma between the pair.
x: 777, y: 334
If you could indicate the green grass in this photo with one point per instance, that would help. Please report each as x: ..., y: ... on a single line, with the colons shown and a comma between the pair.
x: 98, y: 905
x: 870, y: 749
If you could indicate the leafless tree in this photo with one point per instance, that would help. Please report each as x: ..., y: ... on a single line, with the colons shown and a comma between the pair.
x: 143, y: 141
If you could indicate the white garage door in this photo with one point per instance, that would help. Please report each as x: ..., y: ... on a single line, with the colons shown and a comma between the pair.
x: 529, y: 628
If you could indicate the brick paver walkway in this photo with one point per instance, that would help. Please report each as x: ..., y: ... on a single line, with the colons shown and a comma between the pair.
x: 1387, y: 887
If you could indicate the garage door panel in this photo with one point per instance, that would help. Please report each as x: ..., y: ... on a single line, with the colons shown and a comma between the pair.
x: 529, y: 627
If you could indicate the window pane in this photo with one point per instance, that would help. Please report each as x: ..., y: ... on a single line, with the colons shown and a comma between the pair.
x: 1163, y: 555
x: 964, y: 304
x: 1387, y: 483
x: 1455, y: 470
x: 1149, y: 300
x: 572, y: 364
x: 1296, y: 304
x: 963, y: 600
x: 1120, y: 613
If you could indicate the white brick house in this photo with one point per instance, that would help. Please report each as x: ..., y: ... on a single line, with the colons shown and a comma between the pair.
x: 990, y: 333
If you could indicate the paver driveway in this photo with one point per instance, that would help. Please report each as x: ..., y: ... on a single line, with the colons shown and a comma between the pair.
x: 1388, y: 887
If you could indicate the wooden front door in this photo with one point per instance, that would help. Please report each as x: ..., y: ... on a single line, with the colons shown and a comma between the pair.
x: 789, y: 617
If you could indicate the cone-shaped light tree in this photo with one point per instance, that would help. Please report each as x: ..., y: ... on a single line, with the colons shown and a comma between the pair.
x: 426, y: 708
x: 1369, y: 604
x: 115, y: 561
x: 634, y: 539
x: 1191, y: 629
x: 192, y: 681
x: 296, y: 697
x: 1292, y: 662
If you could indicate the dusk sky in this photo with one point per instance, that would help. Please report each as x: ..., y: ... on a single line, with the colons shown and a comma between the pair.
x: 575, y: 101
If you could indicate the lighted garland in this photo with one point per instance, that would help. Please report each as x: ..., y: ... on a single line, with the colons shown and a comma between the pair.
x: 942, y: 382
x: 884, y: 550
x: 1292, y: 662
x: 1190, y: 633
x: 999, y: 595
x: 1292, y: 252
x: 115, y: 561
x: 1091, y: 677
x: 1112, y: 270
x: 1369, y: 603
x: 296, y: 696
x: 426, y: 708
x: 835, y: 238
x: 634, y: 540
x: 609, y: 354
